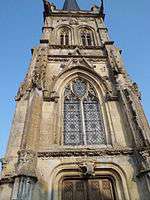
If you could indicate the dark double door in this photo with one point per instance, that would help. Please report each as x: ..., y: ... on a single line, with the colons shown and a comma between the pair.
x: 88, y: 189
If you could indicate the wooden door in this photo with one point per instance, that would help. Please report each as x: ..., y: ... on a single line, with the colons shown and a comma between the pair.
x: 88, y: 189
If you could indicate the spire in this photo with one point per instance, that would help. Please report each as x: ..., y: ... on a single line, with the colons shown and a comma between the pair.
x: 102, y: 9
x: 46, y: 7
x: 71, y: 5
x: 102, y: 6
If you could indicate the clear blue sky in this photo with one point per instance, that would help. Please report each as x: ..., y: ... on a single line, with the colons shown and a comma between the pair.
x: 21, y: 23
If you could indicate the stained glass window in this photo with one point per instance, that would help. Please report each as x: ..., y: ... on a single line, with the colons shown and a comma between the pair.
x: 93, y: 122
x: 83, y: 122
x: 79, y: 87
x: 72, y: 123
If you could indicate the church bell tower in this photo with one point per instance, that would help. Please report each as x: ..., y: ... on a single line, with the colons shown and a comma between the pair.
x: 79, y: 131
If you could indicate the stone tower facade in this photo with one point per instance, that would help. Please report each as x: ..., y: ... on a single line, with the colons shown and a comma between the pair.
x: 79, y: 131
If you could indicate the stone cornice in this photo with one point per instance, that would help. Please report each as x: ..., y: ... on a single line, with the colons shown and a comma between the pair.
x: 11, y: 178
x: 77, y: 56
x: 65, y: 152
x: 85, y: 152
x: 6, y: 180
x: 75, y: 46
x: 61, y: 13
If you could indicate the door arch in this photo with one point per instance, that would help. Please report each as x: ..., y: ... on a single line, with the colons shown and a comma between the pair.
x: 71, y: 171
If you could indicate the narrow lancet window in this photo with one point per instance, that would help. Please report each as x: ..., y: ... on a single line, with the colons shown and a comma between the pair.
x: 83, y: 121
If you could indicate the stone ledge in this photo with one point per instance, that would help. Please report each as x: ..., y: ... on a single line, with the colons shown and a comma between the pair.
x: 81, y: 47
x: 6, y: 180
x: 87, y: 152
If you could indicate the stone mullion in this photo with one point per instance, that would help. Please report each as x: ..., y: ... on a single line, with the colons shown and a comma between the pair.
x: 83, y: 123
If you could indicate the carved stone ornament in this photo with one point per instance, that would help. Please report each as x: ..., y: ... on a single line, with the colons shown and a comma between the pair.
x: 115, y: 60
x: 48, y: 8
x: 87, y: 168
x: 50, y: 96
x: 4, y: 162
x: 73, y: 21
x: 26, y: 162
x: 110, y: 97
x: 144, y: 163
x: 85, y: 152
x: 7, y: 167
x: 123, y: 81
x: 35, y: 78
x: 135, y: 90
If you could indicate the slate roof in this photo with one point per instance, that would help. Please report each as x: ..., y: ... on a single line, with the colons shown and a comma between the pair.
x: 71, y: 5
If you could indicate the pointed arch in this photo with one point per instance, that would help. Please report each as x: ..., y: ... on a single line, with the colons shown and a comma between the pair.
x: 83, y: 122
x: 64, y: 35
x: 96, y: 82
x: 107, y: 169
x: 87, y: 35
x: 86, y: 71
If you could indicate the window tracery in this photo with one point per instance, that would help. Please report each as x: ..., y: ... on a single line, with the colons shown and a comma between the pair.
x: 87, y: 37
x: 83, y: 122
x: 64, y: 36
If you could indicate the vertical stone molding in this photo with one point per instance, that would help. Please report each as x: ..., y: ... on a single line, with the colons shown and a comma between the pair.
x: 23, y: 188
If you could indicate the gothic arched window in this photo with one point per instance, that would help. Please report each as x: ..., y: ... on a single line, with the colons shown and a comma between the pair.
x: 83, y: 122
x: 64, y: 36
x: 87, y: 37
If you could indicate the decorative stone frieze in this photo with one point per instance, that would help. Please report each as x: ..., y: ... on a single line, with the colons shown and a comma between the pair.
x: 87, y: 168
x: 86, y: 152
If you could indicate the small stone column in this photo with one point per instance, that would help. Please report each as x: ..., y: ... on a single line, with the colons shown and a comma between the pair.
x: 23, y: 188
